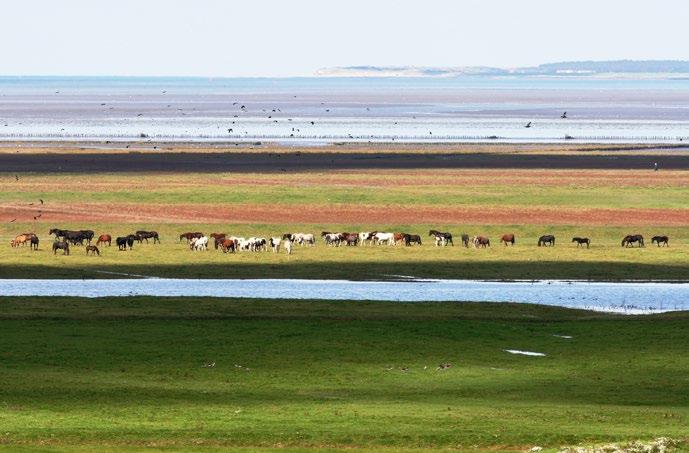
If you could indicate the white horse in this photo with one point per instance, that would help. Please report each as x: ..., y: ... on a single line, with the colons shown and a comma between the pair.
x: 200, y: 244
x: 333, y: 239
x: 288, y: 246
x: 306, y: 239
x: 388, y: 238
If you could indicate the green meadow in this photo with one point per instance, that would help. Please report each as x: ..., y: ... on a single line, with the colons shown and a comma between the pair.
x: 130, y: 373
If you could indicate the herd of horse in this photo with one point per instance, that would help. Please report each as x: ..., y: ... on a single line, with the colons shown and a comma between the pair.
x: 197, y: 241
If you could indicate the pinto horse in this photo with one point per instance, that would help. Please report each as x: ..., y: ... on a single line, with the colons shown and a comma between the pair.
x: 350, y: 238
x: 581, y: 241
x: 441, y: 238
x: 546, y: 240
x: 660, y: 240
x: 103, y: 238
x: 61, y: 245
x: 507, y: 238
x: 630, y: 239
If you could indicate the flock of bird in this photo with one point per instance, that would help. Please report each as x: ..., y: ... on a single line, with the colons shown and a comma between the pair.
x: 530, y: 123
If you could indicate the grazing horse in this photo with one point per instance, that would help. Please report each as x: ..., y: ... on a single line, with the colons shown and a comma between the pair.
x: 75, y: 237
x: 34, y: 242
x: 398, y: 238
x: 190, y: 236
x: 61, y: 245
x: 103, y: 238
x: 481, y: 241
x: 660, y: 240
x: 581, y: 241
x: 228, y: 245
x: 465, y: 240
x: 411, y: 239
x: 441, y: 238
x: 630, y: 239
x: 199, y: 243
x: 546, y: 240
x: 217, y: 239
x: 93, y: 249
x: 21, y: 239
x: 507, y: 238
x: 142, y: 235
x: 125, y: 241
x: 275, y: 244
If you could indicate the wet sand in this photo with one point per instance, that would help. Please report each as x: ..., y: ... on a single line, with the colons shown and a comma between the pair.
x: 70, y: 158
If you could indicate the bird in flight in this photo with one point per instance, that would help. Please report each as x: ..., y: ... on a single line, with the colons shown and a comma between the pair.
x: 564, y: 116
x: 528, y: 124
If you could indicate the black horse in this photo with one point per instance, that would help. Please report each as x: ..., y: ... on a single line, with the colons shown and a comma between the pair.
x: 34, y: 242
x: 142, y: 235
x: 61, y: 245
x: 125, y: 241
x: 582, y: 241
x: 546, y: 240
x: 411, y: 239
x: 630, y: 239
x: 87, y: 235
x: 465, y: 240
x: 445, y: 237
x: 660, y: 240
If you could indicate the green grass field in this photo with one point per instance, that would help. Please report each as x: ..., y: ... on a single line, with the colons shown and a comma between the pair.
x: 104, y: 374
x: 605, y: 260
x: 613, y: 189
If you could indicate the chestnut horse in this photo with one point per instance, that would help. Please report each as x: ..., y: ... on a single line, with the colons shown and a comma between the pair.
x: 103, y: 238
x: 481, y: 241
x: 507, y: 238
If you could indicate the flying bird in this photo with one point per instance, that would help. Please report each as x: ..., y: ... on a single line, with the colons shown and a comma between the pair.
x: 564, y: 115
x: 528, y: 124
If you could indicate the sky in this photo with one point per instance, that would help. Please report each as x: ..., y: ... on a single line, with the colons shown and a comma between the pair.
x: 276, y: 38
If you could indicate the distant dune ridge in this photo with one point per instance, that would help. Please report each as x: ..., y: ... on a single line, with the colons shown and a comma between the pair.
x: 638, y: 68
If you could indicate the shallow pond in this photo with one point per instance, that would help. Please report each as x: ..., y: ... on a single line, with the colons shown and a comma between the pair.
x: 627, y: 297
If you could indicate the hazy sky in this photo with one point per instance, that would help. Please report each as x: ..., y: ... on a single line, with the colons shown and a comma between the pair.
x: 293, y: 37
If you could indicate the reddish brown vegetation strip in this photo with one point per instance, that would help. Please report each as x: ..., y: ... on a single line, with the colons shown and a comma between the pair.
x: 345, y: 214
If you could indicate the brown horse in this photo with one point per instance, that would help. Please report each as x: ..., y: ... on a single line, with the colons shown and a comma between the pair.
x: 103, y: 238
x: 190, y: 236
x: 660, y: 240
x: 481, y: 241
x: 398, y: 237
x: 507, y: 238
x: 630, y: 239
x: 218, y: 238
x: 92, y: 249
x: 34, y: 242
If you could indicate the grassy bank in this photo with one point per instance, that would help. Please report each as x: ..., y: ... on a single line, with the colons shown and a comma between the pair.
x: 130, y: 373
